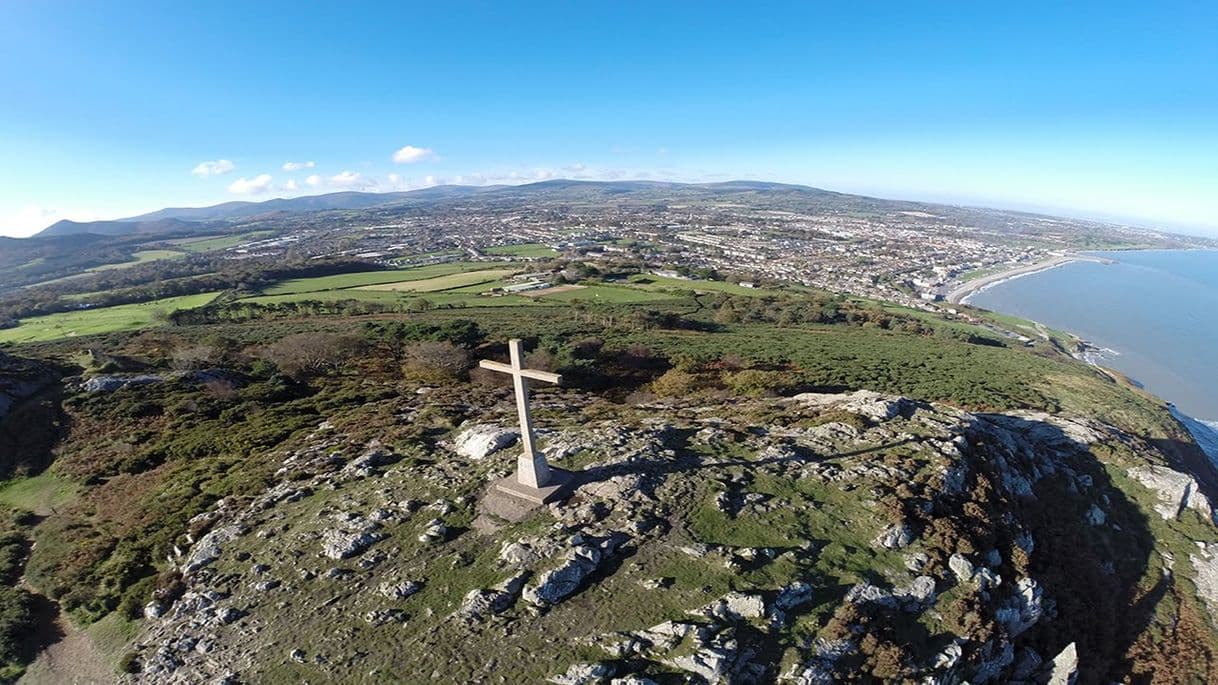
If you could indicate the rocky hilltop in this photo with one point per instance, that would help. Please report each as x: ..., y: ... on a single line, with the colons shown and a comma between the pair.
x: 811, y: 539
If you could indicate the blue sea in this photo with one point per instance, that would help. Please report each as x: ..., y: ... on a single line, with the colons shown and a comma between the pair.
x: 1154, y: 312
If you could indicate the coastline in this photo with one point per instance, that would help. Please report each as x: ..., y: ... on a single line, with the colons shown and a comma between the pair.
x: 962, y: 293
x: 1203, y: 430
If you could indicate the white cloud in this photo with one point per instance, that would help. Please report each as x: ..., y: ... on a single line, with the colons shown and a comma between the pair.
x: 251, y: 186
x: 351, y: 179
x: 314, y: 180
x: 430, y: 181
x: 411, y: 154
x: 297, y: 166
x: 213, y: 168
x: 290, y: 185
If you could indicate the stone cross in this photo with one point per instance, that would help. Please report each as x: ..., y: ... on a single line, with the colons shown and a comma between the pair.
x: 531, y: 467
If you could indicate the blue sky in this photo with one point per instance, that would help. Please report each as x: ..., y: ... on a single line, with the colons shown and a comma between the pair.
x: 1097, y: 109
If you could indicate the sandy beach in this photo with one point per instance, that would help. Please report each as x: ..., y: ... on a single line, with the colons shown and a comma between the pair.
x: 960, y: 294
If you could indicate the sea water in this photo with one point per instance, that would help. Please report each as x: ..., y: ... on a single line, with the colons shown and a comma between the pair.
x: 1154, y: 313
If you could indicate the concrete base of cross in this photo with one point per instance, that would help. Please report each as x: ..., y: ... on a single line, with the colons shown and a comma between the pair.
x: 558, y: 487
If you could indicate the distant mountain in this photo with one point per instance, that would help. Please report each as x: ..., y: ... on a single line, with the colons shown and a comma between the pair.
x: 588, y: 194
x: 309, y: 203
x: 122, y: 227
x: 177, y: 219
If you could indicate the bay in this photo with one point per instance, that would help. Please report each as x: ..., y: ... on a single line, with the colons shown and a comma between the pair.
x: 1155, y: 312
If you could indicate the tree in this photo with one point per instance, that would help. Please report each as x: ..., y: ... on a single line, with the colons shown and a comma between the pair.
x: 306, y: 354
x: 434, y: 361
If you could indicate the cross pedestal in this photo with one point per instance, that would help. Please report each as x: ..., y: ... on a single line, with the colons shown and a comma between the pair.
x: 535, y: 480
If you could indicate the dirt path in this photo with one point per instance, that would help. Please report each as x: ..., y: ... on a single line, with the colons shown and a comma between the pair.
x: 68, y: 655
x: 72, y: 660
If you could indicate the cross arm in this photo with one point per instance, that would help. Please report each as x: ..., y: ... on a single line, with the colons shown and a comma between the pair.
x: 527, y: 373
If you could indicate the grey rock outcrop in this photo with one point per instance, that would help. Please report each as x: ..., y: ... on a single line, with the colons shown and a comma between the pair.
x: 479, y: 441
x: 1065, y: 667
x: 1176, y: 491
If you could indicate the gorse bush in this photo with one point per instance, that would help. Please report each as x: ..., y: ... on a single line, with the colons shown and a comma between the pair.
x: 677, y: 383
x: 757, y: 382
x: 434, y: 362
x: 16, y: 625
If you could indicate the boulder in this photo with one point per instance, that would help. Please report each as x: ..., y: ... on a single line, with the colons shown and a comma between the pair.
x: 1065, y: 667
x: 1176, y: 491
x: 922, y: 590
x: 400, y: 590
x: 961, y: 567
x: 342, y: 544
x: 583, y: 674
x: 481, y: 440
x: 895, y: 536
x: 1205, y: 567
x: 1023, y: 609
x: 108, y: 384
x: 793, y: 595
x: 477, y: 604
x: 557, y: 584
x: 434, y: 531
x: 735, y: 606
x: 209, y: 547
x: 518, y: 553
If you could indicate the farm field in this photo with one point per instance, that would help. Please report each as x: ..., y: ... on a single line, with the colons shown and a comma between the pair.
x: 366, y: 278
x: 601, y: 293
x: 523, y: 250
x: 220, y: 242
x: 650, y: 282
x: 124, y: 317
x: 448, y: 282
x: 141, y: 257
x: 454, y: 298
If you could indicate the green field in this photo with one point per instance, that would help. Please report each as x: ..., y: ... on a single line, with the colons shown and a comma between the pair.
x: 448, y: 282
x: 405, y: 260
x: 651, y: 282
x: 126, y: 317
x: 455, y: 298
x: 603, y: 293
x: 523, y: 250
x: 365, y: 278
x: 141, y: 257
x: 220, y: 242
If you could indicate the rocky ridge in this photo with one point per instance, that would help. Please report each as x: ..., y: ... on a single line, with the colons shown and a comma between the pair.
x: 810, y: 539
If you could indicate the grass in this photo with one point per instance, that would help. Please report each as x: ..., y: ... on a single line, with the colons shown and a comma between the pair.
x: 523, y: 250
x: 141, y: 257
x: 127, y: 317
x: 225, y: 445
x: 979, y: 273
x: 223, y: 242
x: 605, y: 294
x: 650, y: 282
x: 448, y: 282
x: 40, y: 494
x: 365, y: 278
